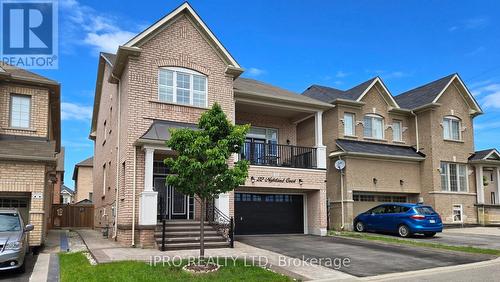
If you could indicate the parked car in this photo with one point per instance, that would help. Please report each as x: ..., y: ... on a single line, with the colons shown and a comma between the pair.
x: 13, y: 240
x: 401, y: 218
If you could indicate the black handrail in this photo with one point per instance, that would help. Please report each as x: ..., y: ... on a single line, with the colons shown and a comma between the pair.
x: 273, y: 154
x: 222, y: 224
x: 163, y: 221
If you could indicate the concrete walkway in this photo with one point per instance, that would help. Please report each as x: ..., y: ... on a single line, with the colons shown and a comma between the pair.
x: 105, y: 250
x: 47, y: 265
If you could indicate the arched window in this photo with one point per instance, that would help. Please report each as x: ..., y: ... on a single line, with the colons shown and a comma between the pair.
x: 451, y: 128
x: 182, y: 86
x: 373, y: 126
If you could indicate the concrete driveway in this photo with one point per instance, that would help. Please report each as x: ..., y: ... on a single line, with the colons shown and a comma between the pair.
x: 367, y: 258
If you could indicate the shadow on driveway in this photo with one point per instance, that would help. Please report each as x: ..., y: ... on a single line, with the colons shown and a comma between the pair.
x: 13, y: 276
x: 367, y: 258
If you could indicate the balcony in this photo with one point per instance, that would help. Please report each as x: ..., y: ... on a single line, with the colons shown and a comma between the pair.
x: 278, y: 155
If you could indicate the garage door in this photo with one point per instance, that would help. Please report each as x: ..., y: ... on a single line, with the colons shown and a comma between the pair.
x: 268, y: 213
x: 19, y: 203
x: 366, y: 201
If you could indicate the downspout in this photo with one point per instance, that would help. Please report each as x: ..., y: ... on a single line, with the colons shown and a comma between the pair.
x: 342, y: 198
x: 117, y: 158
x: 133, y: 197
x: 416, y: 130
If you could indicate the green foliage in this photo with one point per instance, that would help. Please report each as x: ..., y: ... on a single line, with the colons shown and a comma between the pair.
x: 201, y: 167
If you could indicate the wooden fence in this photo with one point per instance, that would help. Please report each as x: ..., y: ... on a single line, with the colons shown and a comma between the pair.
x: 75, y: 216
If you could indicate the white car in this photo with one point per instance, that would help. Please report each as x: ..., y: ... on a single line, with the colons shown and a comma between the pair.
x: 13, y: 240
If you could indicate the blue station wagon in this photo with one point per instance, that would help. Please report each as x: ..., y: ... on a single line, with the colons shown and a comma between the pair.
x: 401, y: 218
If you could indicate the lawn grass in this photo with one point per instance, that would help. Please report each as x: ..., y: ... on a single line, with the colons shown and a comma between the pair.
x: 75, y: 267
x: 374, y: 237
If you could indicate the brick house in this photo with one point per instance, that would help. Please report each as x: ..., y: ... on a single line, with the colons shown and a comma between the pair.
x: 166, y: 77
x: 414, y: 147
x: 82, y: 175
x: 29, y: 142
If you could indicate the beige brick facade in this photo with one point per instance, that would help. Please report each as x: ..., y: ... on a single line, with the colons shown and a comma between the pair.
x: 181, y: 43
x: 84, y: 184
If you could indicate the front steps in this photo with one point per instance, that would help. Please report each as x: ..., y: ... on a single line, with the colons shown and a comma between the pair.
x: 185, y: 235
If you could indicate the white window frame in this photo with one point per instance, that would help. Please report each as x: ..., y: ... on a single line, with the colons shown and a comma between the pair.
x: 448, y: 124
x: 191, y: 74
x: 447, y: 187
x: 11, y: 110
x: 352, y: 125
x: 460, y: 208
x: 268, y: 130
x: 400, y: 135
x: 372, y: 117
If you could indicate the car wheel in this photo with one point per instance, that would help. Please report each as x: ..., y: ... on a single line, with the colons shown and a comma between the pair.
x: 360, y: 226
x: 429, y: 234
x: 404, y: 231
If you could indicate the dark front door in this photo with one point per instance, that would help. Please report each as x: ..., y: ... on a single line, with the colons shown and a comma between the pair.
x: 172, y: 204
x: 268, y: 214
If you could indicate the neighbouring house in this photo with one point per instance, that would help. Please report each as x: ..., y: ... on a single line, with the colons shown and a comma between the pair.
x: 56, y: 198
x: 82, y: 175
x: 166, y: 77
x: 30, y: 139
x: 67, y: 195
x: 414, y: 147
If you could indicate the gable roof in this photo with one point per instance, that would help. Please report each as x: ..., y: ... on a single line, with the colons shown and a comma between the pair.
x: 109, y: 57
x: 152, y: 30
x: 371, y: 149
x: 485, y: 155
x: 89, y: 162
x: 64, y: 188
x: 356, y: 93
x: 255, y: 88
x: 14, y: 72
x: 431, y: 92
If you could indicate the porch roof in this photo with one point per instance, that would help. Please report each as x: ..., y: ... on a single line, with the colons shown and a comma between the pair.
x: 27, y: 148
x: 376, y: 150
x: 159, y: 131
x: 491, y: 156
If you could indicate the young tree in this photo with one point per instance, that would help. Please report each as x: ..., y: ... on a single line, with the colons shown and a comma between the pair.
x: 201, y: 167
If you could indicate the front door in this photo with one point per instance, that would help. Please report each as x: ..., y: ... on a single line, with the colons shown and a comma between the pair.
x: 172, y: 204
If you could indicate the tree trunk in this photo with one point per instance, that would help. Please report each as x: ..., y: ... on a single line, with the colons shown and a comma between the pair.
x: 202, y: 231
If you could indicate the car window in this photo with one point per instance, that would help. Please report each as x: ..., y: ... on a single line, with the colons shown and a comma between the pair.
x: 400, y: 209
x: 9, y: 222
x: 390, y: 209
x: 378, y: 210
x: 425, y: 210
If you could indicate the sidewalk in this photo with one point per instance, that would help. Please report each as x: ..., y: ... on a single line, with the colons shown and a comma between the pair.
x: 47, y: 264
x: 105, y: 250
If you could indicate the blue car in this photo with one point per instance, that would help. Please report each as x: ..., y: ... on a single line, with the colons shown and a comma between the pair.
x: 401, y: 218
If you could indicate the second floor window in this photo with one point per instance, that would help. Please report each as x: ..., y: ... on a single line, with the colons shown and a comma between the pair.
x: 20, y: 111
x: 451, y: 128
x: 453, y: 177
x: 349, y: 128
x: 397, y: 133
x: 182, y: 86
x: 373, y: 127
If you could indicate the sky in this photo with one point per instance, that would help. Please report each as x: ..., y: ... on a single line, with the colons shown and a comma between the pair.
x: 293, y: 44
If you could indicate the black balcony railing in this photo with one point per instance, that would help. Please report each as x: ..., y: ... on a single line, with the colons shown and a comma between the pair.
x: 272, y: 154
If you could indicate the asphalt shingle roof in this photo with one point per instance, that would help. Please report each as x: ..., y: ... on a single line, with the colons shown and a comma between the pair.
x: 86, y: 162
x: 422, y: 95
x: 22, y: 147
x: 159, y: 130
x: 247, y: 85
x: 352, y: 146
x: 329, y: 95
x: 480, y: 155
x: 16, y: 72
